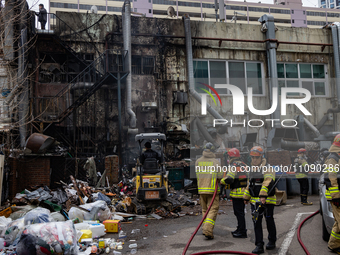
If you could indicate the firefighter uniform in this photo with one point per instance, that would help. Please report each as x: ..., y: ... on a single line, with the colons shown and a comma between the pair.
x: 237, y: 179
x: 261, y: 181
x: 332, y: 180
x: 206, y: 180
x: 301, y: 175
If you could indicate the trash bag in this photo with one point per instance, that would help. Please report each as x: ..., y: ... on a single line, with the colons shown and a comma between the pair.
x: 59, y: 237
x: 37, y: 215
x: 20, y: 211
x: 57, y: 216
x: 96, y: 211
x: 4, y: 223
x: 59, y: 197
x: 13, y: 231
x: 26, y: 245
x: 105, y: 198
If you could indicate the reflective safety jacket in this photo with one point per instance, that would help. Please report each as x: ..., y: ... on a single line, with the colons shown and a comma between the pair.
x: 237, y: 178
x: 332, y: 176
x: 207, y: 172
x: 261, y: 181
x: 300, y: 163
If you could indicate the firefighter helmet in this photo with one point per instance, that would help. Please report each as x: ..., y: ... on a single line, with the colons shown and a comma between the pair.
x: 209, y: 146
x: 336, y: 140
x: 302, y: 150
x: 256, y: 151
x: 234, y: 153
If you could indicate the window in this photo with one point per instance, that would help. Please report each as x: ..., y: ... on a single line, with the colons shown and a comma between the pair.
x: 149, y: 10
x: 332, y: 6
x: 316, y: 23
x: 135, y: 9
x: 149, y: 1
x: 309, y: 76
x: 142, y: 65
x: 292, y: 11
x: 304, y: 12
x: 292, y: 21
x: 272, y: 10
x: 242, y: 74
x: 316, y: 13
x: 304, y: 22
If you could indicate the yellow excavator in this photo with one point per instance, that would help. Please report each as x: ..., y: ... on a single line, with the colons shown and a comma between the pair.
x: 152, y: 177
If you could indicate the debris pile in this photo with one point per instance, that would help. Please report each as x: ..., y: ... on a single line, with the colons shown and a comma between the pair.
x: 77, y: 218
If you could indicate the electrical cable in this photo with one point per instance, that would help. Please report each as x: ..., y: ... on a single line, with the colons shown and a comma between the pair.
x: 299, y: 229
x: 198, y: 227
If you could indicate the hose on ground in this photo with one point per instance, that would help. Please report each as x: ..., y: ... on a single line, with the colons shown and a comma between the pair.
x: 299, y: 229
x: 198, y: 227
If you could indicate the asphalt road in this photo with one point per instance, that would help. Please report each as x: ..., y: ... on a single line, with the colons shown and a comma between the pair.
x: 169, y: 236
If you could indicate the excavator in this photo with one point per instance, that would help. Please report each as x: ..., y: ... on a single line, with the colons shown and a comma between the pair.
x: 152, y: 178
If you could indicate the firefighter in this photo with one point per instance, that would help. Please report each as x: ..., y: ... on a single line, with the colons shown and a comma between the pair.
x: 207, y: 177
x: 332, y: 193
x: 261, y: 194
x: 237, y: 179
x: 301, y: 175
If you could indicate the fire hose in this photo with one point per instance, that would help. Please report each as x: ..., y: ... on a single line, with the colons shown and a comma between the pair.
x: 237, y: 252
x: 198, y: 227
x: 299, y: 229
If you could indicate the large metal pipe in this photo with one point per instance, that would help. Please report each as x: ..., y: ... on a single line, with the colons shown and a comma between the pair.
x: 335, y: 28
x: 126, y: 19
x: 190, y: 65
x: 22, y: 76
x: 311, y: 126
x: 271, y: 45
x: 295, y: 145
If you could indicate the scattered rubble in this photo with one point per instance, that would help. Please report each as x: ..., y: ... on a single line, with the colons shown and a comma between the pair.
x: 75, y: 218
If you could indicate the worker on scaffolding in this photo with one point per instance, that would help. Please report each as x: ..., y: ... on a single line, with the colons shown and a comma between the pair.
x: 261, y: 194
x: 332, y: 191
x: 208, y: 177
x: 238, y: 180
x: 300, y: 164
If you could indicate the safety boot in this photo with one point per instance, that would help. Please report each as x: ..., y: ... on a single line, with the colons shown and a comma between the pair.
x: 270, y: 245
x: 234, y: 232
x: 304, y: 200
x: 336, y: 250
x: 240, y: 234
x: 258, y: 249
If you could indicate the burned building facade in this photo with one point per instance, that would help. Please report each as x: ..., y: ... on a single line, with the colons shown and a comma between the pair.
x: 84, y: 91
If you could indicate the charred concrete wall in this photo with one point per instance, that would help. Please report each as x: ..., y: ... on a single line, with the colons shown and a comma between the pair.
x: 163, y: 39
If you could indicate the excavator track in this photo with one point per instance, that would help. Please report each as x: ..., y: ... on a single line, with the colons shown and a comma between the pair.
x: 139, y: 208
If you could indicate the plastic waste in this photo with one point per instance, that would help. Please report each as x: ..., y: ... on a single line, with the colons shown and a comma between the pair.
x: 37, y: 215
x: 26, y: 245
x: 117, y: 253
x: 133, y: 251
x: 4, y: 222
x: 122, y: 235
x: 96, y: 211
x: 133, y: 245
x: 59, y: 236
x: 105, y: 198
x: 13, y: 231
x: 57, y: 216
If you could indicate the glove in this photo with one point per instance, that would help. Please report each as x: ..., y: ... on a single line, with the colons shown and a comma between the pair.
x: 223, y: 182
x: 336, y: 202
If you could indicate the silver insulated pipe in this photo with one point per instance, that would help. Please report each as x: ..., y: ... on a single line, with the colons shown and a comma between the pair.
x: 126, y: 19
x: 190, y: 64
